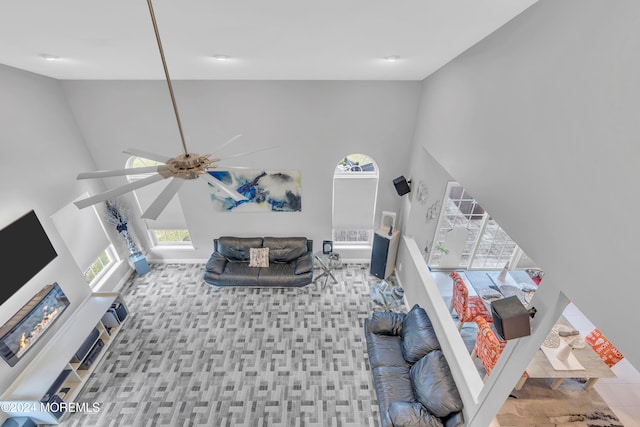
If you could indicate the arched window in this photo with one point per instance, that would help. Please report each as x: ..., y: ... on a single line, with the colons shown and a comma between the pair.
x: 170, y: 228
x: 355, y: 190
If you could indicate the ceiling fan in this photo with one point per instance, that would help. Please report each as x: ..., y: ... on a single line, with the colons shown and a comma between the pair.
x: 183, y: 167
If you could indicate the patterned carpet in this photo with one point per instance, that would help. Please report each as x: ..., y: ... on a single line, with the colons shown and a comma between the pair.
x: 193, y: 356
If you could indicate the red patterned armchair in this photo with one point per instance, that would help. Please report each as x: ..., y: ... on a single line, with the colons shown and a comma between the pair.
x: 607, y: 351
x: 467, y: 308
x: 488, y: 346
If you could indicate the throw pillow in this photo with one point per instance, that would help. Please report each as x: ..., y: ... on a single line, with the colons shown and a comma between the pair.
x: 259, y: 257
x: 411, y: 414
x: 418, y: 336
x: 433, y: 385
x: 386, y: 323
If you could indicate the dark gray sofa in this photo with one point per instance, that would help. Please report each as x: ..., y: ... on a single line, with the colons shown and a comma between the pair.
x: 290, y: 262
x: 413, y: 382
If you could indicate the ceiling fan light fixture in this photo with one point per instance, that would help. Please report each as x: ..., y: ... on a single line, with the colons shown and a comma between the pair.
x: 191, y: 165
x: 49, y: 57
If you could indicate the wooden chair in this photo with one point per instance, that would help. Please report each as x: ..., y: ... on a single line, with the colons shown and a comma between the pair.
x: 467, y: 308
x: 488, y: 349
x: 603, y: 347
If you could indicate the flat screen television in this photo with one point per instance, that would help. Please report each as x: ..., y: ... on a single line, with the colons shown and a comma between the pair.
x: 25, y: 249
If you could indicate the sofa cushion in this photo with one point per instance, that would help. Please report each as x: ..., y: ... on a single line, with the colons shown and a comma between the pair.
x: 304, y: 264
x: 433, y: 385
x: 385, y: 350
x: 239, y: 273
x: 411, y: 414
x: 418, y: 336
x: 238, y: 248
x: 386, y: 323
x: 285, y: 249
x: 392, y: 383
x: 259, y: 257
x: 281, y: 274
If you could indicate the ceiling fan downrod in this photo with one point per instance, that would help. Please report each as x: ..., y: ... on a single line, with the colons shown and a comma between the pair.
x: 168, y: 79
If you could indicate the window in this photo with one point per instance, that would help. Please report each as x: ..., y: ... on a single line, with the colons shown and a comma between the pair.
x: 468, y: 237
x: 100, y: 266
x: 355, y: 189
x: 170, y: 228
x: 84, y: 235
x: 171, y: 237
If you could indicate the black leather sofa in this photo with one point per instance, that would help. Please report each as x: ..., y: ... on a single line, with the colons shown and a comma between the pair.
x: 290, y: 262
x: 413, y: 382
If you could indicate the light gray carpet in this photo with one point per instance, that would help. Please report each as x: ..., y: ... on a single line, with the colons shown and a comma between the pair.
x: 189, y: 356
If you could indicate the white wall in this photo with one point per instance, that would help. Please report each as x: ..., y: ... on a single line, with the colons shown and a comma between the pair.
x: 424, y: 169
x: 540, y: 123
x: 41, y: 151
x: 313, y: 124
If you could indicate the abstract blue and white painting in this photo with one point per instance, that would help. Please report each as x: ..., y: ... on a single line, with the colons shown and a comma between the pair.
x: 266, y: 191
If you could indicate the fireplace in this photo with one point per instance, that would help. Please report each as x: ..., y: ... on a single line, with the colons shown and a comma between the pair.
x: 26, y: 327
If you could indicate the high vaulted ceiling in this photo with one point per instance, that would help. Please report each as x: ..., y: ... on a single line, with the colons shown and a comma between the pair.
x: 265, y: 39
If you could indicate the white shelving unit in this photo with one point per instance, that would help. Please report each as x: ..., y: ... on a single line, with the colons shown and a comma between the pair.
x: 23, y: 398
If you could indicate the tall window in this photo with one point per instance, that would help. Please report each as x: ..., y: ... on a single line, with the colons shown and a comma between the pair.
x: 86, y: 239
x: 97, y: 269
x: 170, y: 228
x: 468, y: 237
x: 355, y: 190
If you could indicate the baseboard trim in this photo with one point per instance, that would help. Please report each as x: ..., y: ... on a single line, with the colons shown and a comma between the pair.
x: 176, y: 261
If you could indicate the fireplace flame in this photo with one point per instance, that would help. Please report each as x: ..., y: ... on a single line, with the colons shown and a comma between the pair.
x: 47, y: 318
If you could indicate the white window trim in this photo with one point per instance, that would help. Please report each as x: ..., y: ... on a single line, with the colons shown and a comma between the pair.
x: 113, y: 261
x: 515, y: 256
x: 177, y: 244
x: 153, y: 241
x: 348, y: 174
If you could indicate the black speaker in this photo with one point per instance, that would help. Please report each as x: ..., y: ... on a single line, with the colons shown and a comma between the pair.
x: 402, y: 185
x: 510, y: 318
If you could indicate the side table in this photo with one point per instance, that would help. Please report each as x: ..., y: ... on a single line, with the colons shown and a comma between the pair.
x: 386, y: 296
x: 327, y: 263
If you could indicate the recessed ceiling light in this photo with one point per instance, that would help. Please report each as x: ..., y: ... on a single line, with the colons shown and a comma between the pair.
x: 391, y: 58
x: 48, y: 57
x: 221, y: 57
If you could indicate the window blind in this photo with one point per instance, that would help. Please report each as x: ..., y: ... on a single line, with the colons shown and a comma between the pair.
x: 354, y: 200
x: 82, y: 232
x: 171, y: 218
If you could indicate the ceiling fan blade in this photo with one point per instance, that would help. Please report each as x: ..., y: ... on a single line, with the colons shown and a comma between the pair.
x: 232, y: 193
x: 101, y: 197
x: 228, y: 168
x: 215, y: 150
x: 247, y: 153
x: 121, y: 172
x: 147, y: 155
x: 163, y: 199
